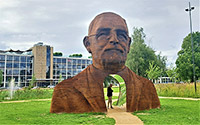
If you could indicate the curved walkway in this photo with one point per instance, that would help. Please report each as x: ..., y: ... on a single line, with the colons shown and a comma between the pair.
x: 122, y: 117
x: 195, y: 99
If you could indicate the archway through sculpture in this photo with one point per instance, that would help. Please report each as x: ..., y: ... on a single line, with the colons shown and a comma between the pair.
x: 119, y: 89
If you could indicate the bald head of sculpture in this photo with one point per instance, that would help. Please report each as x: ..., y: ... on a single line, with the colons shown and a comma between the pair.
x: 108, y: 42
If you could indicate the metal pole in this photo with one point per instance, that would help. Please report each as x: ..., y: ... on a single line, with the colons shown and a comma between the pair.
x: 190, y: 9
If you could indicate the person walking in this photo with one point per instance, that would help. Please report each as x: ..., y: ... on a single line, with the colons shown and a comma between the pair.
x: 109, y: 94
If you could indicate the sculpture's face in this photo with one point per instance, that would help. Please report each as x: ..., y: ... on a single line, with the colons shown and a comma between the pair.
x: 109, y: 43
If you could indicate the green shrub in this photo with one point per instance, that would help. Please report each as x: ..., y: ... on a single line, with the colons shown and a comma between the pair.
x: 27, y: 93
x: 178, y: 90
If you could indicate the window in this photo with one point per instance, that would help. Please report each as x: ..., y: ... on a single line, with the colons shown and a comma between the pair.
x: 23, y: 59
x: 16, y: 58
x: 69, y: 61
x: 54, y: 60
x: 79, y: 61
x: 22, y: 65
x: 22, y: 72
x: 15, y: 72
x: 2, y: 58
x: 83, y: 66
x: 29, y: 72
x: 9, y: 71
x: 79, y: 67
x: 9, y: 58
x: 16, y: 65
x: 74, y: 67
x: 28, y: 59
x: 63, y: 60
x: 58, y: 60
x: 2, y: 64
x: 83, y: 61
x: 74, y: 61
x: 8, y: 65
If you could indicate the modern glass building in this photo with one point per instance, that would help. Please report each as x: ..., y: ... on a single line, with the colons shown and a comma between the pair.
x: 38, y: 60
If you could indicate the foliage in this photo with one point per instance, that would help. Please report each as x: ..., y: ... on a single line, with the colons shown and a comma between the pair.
x: 27, y: 94
x: 122, y: 96
x: 119, y: 78
x: 108, y: 80
x: 154, y: 71
x: 1, y: 78
x: 76, y: 55
x: 140, y: 55
x: 32, y: 82
x: 38, y: 113
x: 172, y: 73
x: 89, y: 56
x: 178, y: 90
x: 57, y: 54
x: 60, y: 78
x: 184, y: 62
x: 179, y: 112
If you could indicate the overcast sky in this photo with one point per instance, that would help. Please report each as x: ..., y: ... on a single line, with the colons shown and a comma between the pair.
x: 64, y: 23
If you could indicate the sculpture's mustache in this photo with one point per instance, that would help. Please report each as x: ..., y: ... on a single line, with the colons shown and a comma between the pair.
x: 114, y: 49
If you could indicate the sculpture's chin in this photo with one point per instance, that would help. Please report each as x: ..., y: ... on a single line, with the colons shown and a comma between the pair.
x: 113, y: 66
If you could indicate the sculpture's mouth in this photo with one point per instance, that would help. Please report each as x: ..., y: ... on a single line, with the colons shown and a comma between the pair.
x: 115, y: 49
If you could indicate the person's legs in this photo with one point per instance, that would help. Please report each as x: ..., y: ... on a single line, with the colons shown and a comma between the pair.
x: 110, y: 101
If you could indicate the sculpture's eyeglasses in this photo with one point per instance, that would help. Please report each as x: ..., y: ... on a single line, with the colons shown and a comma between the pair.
x: 106, y: 34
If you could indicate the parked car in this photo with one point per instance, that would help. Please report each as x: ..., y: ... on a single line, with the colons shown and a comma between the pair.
x: 36, y: 87
x: 50, y: 86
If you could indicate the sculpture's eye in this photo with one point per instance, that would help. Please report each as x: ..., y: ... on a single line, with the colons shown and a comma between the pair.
x: 122, y: 36
x: 102, y: 35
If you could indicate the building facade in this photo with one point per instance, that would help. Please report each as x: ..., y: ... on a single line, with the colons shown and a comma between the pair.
x: 40, y: 62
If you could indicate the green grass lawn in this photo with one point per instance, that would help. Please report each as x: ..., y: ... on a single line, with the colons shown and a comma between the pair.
x: 38, y: 113
x: 172, y: 112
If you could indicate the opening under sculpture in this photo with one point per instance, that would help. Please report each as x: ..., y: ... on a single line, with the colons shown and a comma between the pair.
x: 109, y: 43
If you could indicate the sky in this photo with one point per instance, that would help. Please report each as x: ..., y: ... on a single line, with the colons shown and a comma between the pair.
x: 64, y: 23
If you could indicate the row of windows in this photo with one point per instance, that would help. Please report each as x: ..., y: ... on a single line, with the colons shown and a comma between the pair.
x: 17, y: 78
x: 61, y: 66
x: 15, y: 58
x: 71, y: 61
x: 15, y: 65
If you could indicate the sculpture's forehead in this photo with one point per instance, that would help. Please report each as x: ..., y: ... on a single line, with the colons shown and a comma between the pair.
x: 108, y: 21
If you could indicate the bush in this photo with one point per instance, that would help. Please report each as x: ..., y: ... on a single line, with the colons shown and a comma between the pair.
x: 27, y: 93
x: 178, y: 90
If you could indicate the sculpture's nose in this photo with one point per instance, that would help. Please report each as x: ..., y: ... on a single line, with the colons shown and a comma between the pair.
x: 113, y: 39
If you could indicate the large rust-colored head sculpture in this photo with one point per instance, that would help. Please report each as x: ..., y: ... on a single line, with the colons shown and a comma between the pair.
x: 108, y: 42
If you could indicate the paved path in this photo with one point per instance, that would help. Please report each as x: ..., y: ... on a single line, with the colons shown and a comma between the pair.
x: 195, y: 99
x: 122, y: 117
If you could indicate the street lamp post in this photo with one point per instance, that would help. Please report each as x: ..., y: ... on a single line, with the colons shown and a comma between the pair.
x: 189, y: 10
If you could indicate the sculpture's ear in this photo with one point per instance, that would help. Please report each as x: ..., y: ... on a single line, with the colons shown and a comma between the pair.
x: 86, y: 43
x: 129, y: 45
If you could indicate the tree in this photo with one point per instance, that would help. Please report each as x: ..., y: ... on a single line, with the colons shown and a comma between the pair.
x: 140, y: 55
x: 76, y: 55
x: 172, y: 73
x: 60, y: 78
x: 107, y: 81
x: 57, y: 54
x: 32, y: 82
x: 153, y: 72
x: 184, y: 61
x: 1, y: 78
